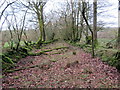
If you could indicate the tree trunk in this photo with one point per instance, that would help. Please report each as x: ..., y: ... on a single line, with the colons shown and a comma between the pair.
x: 77, y: 23
x: 40, y: 28
x: 21, y: 32
x: 87, y: 17
x: 95, y: 20
x: 42, y: 21
x: 41, y: 25
x: 11, y: 39
x: 118, y: 40
x: 83, y: 14
x: 73, y: 29
x: 81, y: 20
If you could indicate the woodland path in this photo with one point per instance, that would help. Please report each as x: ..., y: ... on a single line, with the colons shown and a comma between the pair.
x: 63, y: 68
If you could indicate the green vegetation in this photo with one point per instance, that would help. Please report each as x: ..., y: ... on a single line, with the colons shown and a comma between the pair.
x: 84, y: 76
x: 53, y: 60
x: 0, y: 76
x: 16, y: 77
x: 78, y: 59
x: 106, y: 54
x: 11, y: 57
x: 6, y: 45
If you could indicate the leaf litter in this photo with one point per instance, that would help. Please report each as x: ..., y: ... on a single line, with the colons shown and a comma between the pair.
x: 87, y: 73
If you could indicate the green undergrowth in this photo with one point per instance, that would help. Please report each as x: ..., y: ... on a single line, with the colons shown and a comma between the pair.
x: 11, y: 57
x: 8, y: 44
x: 108, y: 55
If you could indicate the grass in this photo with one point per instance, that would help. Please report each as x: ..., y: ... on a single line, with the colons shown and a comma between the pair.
x: 103, y: 41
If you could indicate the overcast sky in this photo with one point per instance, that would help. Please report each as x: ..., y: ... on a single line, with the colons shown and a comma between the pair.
x: 111, y: 16
x: 113, y: 10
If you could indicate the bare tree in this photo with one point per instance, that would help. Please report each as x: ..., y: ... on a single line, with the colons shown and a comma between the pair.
x: 12, y: 23
x: 37, y: 8
x: 22, y: 29
x: 6, y: 8
x: 83, y: 14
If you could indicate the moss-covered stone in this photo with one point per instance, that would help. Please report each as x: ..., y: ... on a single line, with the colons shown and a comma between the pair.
x: 7, y: 59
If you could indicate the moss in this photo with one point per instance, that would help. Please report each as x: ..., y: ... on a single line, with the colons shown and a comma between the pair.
x: 88, y: 39
x: 53, y: 60
x: 96, y: 43
x: 111, y: 60
x: 12, y: 56
x: 44, y: 52
x: 50, y: 41
x: 7, y: 59
x: 15, y: 77
x: 6, y: 66
x: 17, y: 57
x: 1, y: 76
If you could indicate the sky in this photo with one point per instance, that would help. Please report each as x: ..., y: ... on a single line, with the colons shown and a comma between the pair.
x: 111, y: 16
x: 113, y: 11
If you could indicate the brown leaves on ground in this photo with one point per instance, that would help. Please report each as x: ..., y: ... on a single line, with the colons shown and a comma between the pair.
x: 66, y: 70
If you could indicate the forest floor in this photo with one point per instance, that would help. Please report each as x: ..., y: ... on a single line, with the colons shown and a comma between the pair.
x: 63, y: 68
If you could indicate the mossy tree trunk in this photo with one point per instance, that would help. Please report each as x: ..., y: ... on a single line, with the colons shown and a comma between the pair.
x: 41, y: 24
x: 37, y: 7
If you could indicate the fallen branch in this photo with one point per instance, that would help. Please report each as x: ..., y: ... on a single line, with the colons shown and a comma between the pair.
x: 43, y: 52
x: 23, y: 68
x: 51, y: 41
x: 43, y: 66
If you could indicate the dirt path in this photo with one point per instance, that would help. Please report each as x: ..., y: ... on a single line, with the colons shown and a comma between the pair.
x: 64, y: 68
